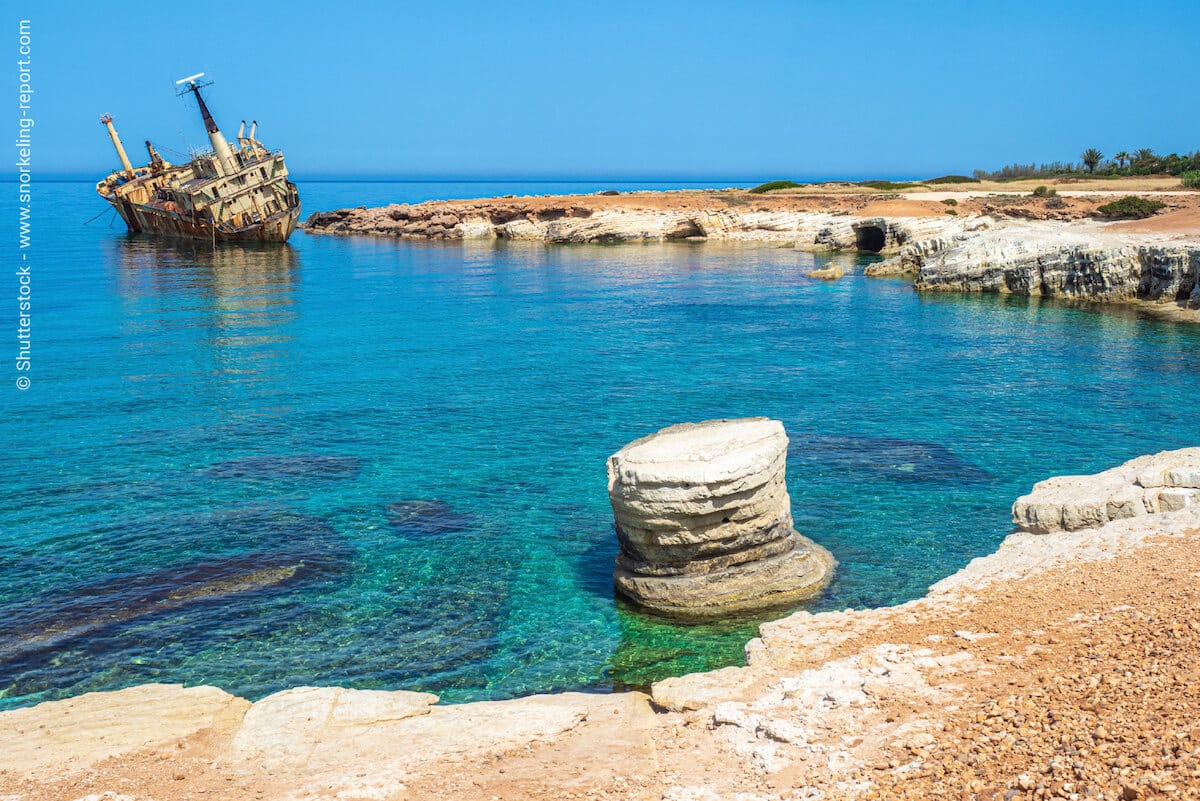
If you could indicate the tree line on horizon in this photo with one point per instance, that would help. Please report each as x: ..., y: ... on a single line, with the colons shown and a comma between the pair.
x: 1143, y: 161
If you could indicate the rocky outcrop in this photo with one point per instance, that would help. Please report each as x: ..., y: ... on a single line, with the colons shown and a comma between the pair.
x: 575, y: 221
x: 1149, y: 485
x: 312, y: 734
x: 922, y: 243
x: 705, y: 523
x: 319, y: 729
x: 830, y: 272
x: 1038, y: 260
x: 74, y: 734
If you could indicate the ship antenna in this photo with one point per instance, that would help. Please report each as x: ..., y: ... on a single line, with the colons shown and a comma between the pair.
x: 192, y: 85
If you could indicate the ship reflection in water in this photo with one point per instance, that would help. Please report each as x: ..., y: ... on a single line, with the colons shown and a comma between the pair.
x: 232, y: 302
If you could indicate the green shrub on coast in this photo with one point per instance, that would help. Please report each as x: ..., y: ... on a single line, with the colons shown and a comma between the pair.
x: 889, y: 186
x: 1130, y: 207
x: 950, y: 201
x: 1191, y: 179
x: 1045, y: 191
x: 771, y: 186
x: 953, y: 179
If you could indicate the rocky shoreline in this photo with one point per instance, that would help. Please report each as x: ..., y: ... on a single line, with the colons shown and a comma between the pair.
x: 1005, y: 245
x: 1062, y: 665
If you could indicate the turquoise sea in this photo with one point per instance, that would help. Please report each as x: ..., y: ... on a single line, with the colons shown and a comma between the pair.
x: 381, y: 464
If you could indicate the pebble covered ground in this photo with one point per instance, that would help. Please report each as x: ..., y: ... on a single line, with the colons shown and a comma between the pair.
x: 1094, y: 690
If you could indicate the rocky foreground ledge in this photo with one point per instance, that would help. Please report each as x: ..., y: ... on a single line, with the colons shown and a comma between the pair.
x: 1000, y: 244
x: 1061, y: 666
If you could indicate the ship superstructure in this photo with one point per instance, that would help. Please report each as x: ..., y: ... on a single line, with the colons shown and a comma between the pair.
x: 229, y: 193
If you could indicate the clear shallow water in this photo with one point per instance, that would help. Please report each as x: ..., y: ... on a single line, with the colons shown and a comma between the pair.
x: 381, y: 464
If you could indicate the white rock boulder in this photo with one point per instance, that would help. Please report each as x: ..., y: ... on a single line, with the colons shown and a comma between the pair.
x: 705, y: 524
x: 1162, y: 482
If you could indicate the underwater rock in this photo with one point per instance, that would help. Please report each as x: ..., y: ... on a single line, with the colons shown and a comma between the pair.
x: 426, y: 517
x: 301, y: 465
x: 830, y: 272
x: 258, y: 552
x: 704, y: 521
x: 885, y: 457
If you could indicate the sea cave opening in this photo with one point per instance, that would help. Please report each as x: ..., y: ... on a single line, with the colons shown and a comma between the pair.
x: 870, y: 238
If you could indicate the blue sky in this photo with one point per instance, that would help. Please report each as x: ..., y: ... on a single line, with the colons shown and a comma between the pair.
x: 706, y: 89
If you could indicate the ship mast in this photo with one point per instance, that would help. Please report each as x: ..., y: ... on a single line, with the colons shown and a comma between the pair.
x: 215, y: 137
x: 116, y: 140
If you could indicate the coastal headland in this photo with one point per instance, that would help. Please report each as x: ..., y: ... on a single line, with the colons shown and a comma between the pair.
x: 1061, y: 666
x: 998, y: 238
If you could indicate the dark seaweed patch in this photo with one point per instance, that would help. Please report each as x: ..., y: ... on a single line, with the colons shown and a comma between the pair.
x: 426, y: 518
x: 888, y: 458
x: 251, y: 556
x: 318, y: 466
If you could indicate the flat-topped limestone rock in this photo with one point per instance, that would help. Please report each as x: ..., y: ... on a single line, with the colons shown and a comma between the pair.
x: 1162, y: 482
x: 705, y: 524
x: 63, y: 737
x: 323, y: 730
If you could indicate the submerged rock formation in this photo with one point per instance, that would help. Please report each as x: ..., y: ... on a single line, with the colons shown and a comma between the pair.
x: 705, y: 522
x: 1163, y: 482
x: 830, y: 272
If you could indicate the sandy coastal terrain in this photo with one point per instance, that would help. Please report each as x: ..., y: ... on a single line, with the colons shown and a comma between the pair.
x: 1062, y: 666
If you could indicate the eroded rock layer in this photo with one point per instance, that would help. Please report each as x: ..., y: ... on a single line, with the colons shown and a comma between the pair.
x: 1162, y: 482
x: 705, y: 524
x: 1056, y: 266
x: 581, y: 220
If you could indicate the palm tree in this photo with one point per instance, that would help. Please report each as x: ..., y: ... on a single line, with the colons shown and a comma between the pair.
x: 1145, y: 160
x: 1121, y: 158
x: 1091, y: 158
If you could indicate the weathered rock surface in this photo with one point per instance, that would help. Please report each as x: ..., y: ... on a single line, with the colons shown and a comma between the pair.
x: 699, y: 690
x: 306, y: 726
x: 831, y: 272
x: 570, y: 221
x: 705, y: 524
x: 991, y: 245
x: 319, y: 729
x: 69, y: 736
x: 1163, y: 482
x: 1042, y: 259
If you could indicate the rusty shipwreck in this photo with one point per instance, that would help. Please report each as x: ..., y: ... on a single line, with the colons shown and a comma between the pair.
x: 227, y: 194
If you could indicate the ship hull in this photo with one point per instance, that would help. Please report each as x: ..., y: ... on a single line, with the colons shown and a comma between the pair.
x: 152, y: 220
